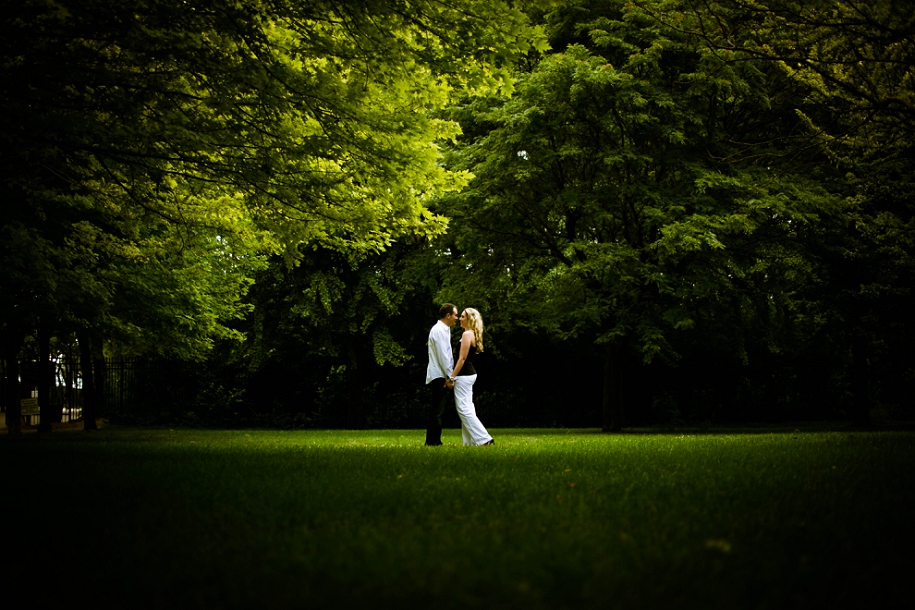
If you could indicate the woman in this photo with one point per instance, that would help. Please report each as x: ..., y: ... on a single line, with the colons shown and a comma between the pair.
x: 464, y: 375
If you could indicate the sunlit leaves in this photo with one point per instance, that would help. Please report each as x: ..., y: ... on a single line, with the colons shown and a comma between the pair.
x: 154, y: 151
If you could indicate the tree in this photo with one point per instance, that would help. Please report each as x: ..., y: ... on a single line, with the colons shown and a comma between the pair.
x: 313, y: 112
x: 633, y: 188
x: 854, y: 60
x: 147, y: 144
x: 324, y: 326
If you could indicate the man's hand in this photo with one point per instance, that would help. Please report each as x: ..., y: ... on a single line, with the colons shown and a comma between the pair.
x: 449, y: 384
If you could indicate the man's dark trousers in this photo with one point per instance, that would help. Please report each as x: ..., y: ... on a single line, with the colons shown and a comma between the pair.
x: 439, y: 395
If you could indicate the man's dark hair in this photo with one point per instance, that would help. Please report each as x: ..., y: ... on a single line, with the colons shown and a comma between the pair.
x: 445, y: 309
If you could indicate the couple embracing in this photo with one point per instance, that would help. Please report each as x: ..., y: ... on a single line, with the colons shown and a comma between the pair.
x: 446, y: 378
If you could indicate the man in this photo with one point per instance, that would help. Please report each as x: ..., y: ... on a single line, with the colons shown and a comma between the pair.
x: 438, y: 373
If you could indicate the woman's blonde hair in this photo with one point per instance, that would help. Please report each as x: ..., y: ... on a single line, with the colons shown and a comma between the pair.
x: 475, y: 322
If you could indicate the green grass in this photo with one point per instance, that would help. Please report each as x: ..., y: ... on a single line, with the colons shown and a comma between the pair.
x: 544, y: 519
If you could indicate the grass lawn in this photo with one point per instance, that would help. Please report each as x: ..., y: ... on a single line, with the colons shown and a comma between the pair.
x: 129, y: 518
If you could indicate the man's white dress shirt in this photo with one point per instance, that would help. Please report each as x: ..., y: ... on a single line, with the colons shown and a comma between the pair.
x: 441, y: 360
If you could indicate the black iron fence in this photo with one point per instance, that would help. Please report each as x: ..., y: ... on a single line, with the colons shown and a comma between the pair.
x: 139, y: 388
x: 141, y: 385
x: 155, y: 390
x: 66, y: 395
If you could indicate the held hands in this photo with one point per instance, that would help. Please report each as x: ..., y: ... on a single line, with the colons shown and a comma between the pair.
x: 449, y: 383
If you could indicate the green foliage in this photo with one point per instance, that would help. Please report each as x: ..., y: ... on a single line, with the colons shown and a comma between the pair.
x: 316, y: 114
x: 633, y: 188
x: 153, y: 151
x: 853, y: 61
x: 853, y: 58
x: 728, y: 180
x: 326, y: 304
x: 329, y: 330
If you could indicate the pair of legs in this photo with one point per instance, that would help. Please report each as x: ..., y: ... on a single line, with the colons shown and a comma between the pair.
x: 439, y: 398
x: 472, y: 430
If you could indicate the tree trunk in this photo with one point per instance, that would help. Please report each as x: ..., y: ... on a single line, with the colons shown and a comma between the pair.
x: 89, y: 389
x: 69, y: 398
x: 613, y: 388
x: 101, y: 386
x: 860, y: 411
x: 13, y: 407
x: 45, y: 376
x: 355, y: 390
